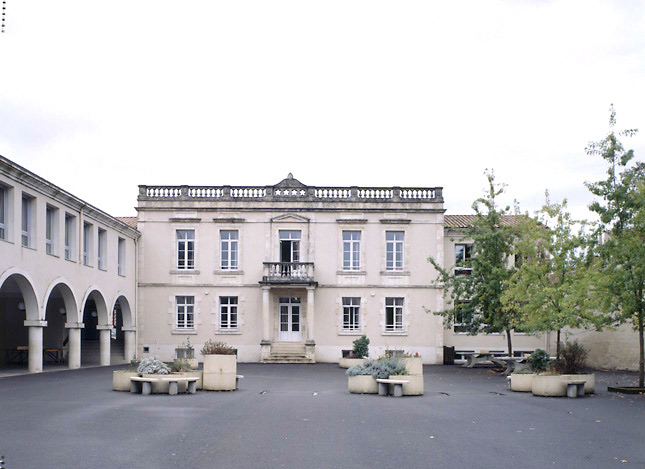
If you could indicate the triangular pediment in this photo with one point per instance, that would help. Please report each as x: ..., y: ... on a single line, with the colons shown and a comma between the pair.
x: 289, y: 218
x: 290, y: 183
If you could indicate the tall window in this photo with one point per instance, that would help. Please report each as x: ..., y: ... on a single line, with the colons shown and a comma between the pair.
x: 463, y: 254
x: 70, y: 233
x: 51, y: 229
x: 394, y: 314
x: 102, y: 257
x: 463, y: 318
x: 88, y: 243
x: 351, y: 250
x: 228, y: 312
x: 121, y: 256
x: 351, y: 314
x: 229, y: 249
x: 27, y: 220
x: 185, y: 249
x: 3, y: 212
x: 394, y: 250
x: 185, y: 312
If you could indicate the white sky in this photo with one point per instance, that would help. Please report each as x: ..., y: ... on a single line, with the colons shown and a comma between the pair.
x: 100, y: 96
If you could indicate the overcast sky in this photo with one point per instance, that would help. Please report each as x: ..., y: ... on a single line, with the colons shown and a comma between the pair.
x: 100, y: 96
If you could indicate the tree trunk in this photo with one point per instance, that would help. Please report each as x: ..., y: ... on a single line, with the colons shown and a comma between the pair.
x: 641, y: 365
x: 510, y: 345
x: 557, y: 346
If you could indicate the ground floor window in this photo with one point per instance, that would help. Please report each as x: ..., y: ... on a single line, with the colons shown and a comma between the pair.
x: 185, y: 312
x: 351, y: 314
x: 228, y: 312
x: 394, y: 314
x: 463, y: 320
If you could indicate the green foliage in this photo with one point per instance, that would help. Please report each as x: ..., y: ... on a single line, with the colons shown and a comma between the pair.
x: 180, y: 365
x: 523, y: 372
x: 538, y: 360
x: 152, y: 366
x: 617, y: 265
x: 382, y: 368
x: 572, y: 358
x: 134, y: 364
x: 217, y: 348
x: 361, y: 349
x: 478, y: 296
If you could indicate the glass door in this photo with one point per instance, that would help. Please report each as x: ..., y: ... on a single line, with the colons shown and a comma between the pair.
x: 289, y: 327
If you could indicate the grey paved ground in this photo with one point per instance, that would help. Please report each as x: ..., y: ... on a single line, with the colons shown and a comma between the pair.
x: 306, y: 419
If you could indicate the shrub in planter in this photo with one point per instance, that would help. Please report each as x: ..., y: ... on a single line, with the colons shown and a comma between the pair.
x: 538, y: 360
x: 180, y: 366
x: 361, y: 349
x: 121, y: 378
x: 220, y: 366
x: 572, y: 358
x: 151, y: 367
x: 360, y: 380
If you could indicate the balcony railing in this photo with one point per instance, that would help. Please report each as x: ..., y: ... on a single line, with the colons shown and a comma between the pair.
x: 288, y: 273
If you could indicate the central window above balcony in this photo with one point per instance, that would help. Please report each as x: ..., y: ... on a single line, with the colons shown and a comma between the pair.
x: 289, y: 245
x: 289, y: 270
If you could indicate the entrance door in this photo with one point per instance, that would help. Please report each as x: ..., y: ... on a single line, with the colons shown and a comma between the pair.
x: 289, y: 320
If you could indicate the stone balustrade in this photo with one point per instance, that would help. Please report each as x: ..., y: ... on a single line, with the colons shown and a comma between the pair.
x: 288, y: 273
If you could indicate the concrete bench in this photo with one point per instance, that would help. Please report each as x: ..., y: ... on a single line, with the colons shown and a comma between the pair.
x: 237, y: 380
x: 575, y: 387
x: 144, y: 385
x: 397, y: 385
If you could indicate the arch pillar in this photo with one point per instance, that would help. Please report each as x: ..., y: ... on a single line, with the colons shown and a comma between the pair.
x: 105, y: 331
x: 129, y: 342
x: 74, y: 354
x: 35, y: 345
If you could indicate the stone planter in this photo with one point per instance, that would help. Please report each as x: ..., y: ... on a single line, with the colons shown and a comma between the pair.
x: 414, y: 387
x: 414, y: 365
x: 521, y: 382
x: 362, y: 384
x: 349, y: 362
x: 549, y: 385
x: 121, y: 380
x: 590, y: 378
x: 181, y: 387
x: 220, y: 372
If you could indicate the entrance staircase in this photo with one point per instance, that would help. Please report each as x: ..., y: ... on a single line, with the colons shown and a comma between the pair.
x: 287, y: 352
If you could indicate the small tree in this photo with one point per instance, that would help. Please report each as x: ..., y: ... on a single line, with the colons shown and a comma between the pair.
x: 618, y: 263
x: 478, y: 295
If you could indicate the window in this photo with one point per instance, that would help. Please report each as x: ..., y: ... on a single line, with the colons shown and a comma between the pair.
x: 394, y: 314
x: 289, y: 245
x: 27, y: 221
x: 228, y: 312
x: 121, y: 256
x: 351, y: 250
x: 70, y: 233
x: 351, y: 314
x: 51, y: 229
x: 229, y: 249
x: 463, y: 320
x: 4, y: 197
x: 102, y: 258
x: 185, y: 249
x: 88, y: 242
x: 185, y: 312
x: 463, y: 255
x: 394, y: 250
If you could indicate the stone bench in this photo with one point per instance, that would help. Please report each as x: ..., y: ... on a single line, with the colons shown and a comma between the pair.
x: 397, y: 385
x: 237, y: 380
x: 575, y: 387
x: 144, y: 385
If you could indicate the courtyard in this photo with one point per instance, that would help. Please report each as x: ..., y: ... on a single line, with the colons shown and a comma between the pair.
x: 301, y: 416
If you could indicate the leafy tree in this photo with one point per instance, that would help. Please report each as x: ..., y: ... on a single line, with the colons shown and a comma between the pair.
x: 476, y: 288
x: 549, y: 286
x: 618, y: 263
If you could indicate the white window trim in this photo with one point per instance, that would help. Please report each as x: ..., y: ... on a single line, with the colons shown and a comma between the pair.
x: 185, y: 326
x: 358, y: 313
x: 222, y: 306
x: 88, y: 243
x: 230, y: 243
x: 462, y: 270
x: 394, y: 244
x: 353, y: 267
x: 101, y: 256
x: 27, y: 237
x: 69, y: 247
x: 185, y: 267
x: 120, y: 255
x: 405, y: 317
x: 4, y: 212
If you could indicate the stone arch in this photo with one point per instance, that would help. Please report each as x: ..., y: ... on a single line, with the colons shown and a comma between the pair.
x: 26, y: 285
x: 71, y: 306
x: 95, y: 293
x: 126, y: 311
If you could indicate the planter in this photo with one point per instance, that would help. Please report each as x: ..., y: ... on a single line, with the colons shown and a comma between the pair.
x: 181, y: 387
x: 414, y: 365
x: 521, y: 382
x: 590, y: 381
x: 349, y: 362
x: 554, y: 385
x: 362, y: 384
x: 415, y: 385
x: 220, y: 372
x: 160, y: 387
x: 121, y: 380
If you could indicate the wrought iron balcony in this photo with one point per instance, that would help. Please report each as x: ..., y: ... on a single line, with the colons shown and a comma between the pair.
x: 288, y: 273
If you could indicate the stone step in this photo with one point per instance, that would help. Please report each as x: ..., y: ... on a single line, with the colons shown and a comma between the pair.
x: 287, y: 360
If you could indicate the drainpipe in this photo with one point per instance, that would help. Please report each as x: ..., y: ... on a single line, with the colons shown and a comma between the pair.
x: 136, y: 297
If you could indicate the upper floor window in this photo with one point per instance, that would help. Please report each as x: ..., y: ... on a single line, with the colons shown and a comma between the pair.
x: 28, y: 220
x: 121, y: 256
x: 70, y: 236
x: 351, y: 250
x: 228, y: 312
x: 289, y: 245
x: 185, y: 312
x: 393, y: 314
x: 463, y: 255
x: 88, y: 243
x: 229, y: 249
x: 351, y: 314
x: 102, y: 254
x: 185, y: 249
x: 394, y: 250
x: 51, y: 229
x: 4, y: 202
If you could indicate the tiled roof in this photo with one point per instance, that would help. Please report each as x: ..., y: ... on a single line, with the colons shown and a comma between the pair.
x: 464, y: 221
x: 131, y: 221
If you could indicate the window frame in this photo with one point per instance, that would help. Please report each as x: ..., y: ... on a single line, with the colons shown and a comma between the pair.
x: 70, y: 236
x: 4, y: 212
x: 229, y: 250
x: 351, y: 306
x: 101, y: 254
x: 88, y: 243
x: 187, y: 246
x: 392, y: 302
x: 461, y: 323
x: 395, y: 247
x: 351, y: 248
x: 467, y: 255
x: 228, y: 308
x: 185, y: 308
x: 28, y: 228
x: 120, y: 256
